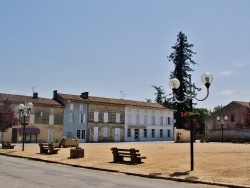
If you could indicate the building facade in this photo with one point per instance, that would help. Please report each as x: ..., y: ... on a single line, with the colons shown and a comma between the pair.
x: 235, y: 112
x: 45, y: 121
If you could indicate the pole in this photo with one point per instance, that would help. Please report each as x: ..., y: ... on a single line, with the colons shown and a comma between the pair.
x: 23, y: 132
x: 191, y: 138
x: 222, y: 133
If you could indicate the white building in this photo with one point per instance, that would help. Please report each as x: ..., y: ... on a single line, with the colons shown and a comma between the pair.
x: 148, y: 122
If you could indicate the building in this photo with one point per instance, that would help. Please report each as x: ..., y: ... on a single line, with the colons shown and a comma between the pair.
x: 99, y: 119
x: 45, y: 121
x: 235, y: 112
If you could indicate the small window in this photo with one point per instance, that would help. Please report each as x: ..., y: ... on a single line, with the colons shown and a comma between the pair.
x: 129, y: 133
x: 105, y: 132
x: 105, y: 117
x: 81, y: 107
x: 169, y: 133
x: 145, y: 119
x: 82, y: 118
x: 80, y: 134
x: 71, y: 106
x: 153, y: 133
x: 161, y: 120
x: 96, y: 116
x: 161, y: 133
x: 32, y: 119
x: 51, y: 119
x: 137, y: 118
x: 129, y: 119
x: 153, y: 120
x: 145, y: 133
x: 118, y: 118
x: 168, y: 120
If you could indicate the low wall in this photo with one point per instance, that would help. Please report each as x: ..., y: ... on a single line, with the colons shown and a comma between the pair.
x: 228, y: 135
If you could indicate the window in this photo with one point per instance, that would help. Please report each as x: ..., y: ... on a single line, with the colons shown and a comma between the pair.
x: 32, y: 119
x: 161, y: 133
x: 81, y: 107
x: 105, y: 132
x: 145, y: 133
x: 80, y: 134
x: 161, y: 120
x: 129, y: 119
x: 145, y: 119
x: 96, y: 116
x: 51, y: 119
x: 105, y: 117
x: 169, y: 133
x: 82, y: 118
x: 117, y: 117
x: 153, y: 120
x: 153, y: 133
x: 71, y: 117
x: 71, y: 106
x: 129, y: 133
x: 137, y: 118
x: 168, y: 121
x: 232, y: 118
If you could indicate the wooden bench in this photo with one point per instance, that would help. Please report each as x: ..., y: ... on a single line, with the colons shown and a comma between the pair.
x: 7, y: 145
x: 48, y: 148
x: 240, y: 140
x: 133, y: 154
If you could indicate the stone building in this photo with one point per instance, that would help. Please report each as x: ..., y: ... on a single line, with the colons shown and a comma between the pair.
x: 45, y: 121
x: 235, y: 112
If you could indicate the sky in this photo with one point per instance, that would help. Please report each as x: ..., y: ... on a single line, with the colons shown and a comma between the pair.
x: 119, y: 48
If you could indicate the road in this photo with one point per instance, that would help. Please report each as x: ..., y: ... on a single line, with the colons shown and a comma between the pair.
x: 19, y: 173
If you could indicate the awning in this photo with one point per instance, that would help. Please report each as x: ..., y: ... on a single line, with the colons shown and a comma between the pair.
x: 29, y: 130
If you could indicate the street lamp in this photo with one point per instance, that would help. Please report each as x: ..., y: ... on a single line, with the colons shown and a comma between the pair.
x: 24, y: 111
x: 174, y: 84
x: 222, y: 122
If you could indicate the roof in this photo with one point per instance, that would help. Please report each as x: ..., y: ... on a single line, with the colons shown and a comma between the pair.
x: 247, y: 104
x: 23, y: 98
x: 124, y: 102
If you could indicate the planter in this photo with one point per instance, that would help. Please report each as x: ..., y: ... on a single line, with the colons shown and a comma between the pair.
x: 69, y: 143
x: 76, y: 153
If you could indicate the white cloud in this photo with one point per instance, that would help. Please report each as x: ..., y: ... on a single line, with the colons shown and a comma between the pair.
x: 226, y: 73
x: 227, y: 92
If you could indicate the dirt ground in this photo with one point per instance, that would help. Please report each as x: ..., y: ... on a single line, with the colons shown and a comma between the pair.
x: 213, y: 162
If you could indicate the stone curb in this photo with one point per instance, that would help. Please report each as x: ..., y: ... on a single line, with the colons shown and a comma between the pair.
x: 154, y: 176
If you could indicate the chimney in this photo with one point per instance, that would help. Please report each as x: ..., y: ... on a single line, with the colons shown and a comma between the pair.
x: 54, y: 94
x: 85, y: 95
x: 35, y: 95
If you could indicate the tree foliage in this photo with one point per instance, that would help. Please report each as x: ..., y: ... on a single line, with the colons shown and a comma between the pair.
x: 217, y: 108
x: 181, y: 57
x: 7, y: 116
x: 161, y: 98
x: 244, y: 122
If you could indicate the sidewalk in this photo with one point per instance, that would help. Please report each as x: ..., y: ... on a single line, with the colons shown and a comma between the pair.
x: 214, y: 163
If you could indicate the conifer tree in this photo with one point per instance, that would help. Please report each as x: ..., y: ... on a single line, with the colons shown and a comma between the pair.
x: 181, y: 57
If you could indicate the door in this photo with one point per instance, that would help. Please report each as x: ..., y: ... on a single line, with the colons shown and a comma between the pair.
x: 117, y: 134
x: 14, y: 135
x: 95, y: 138
x: 136, y: 134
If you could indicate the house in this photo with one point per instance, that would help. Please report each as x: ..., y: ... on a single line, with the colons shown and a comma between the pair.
x: 147, y: 121
x: 45, y: 121
x: 114, y: 120
x: 235, y: 111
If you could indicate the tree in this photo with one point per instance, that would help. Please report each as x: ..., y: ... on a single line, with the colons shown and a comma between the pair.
x: 217, y: 108
x: 7, y: 117
x: 181, y: 57
x: 244, y: 122
x: 160, y: 94
x: 161, y: 97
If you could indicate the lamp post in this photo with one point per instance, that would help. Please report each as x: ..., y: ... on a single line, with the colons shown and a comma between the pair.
x: 174, y: 84
x: 24, y: 111
x: 222, y: 122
